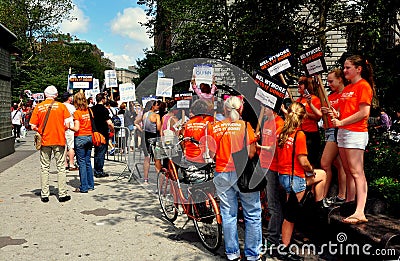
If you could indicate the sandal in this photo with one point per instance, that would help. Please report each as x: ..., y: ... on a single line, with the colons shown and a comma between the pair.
x: 77, y: 190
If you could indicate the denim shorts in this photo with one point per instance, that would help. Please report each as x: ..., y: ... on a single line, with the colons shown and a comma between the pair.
x: 352, y: 139
x: 331, y: 135
x: 299, y: 184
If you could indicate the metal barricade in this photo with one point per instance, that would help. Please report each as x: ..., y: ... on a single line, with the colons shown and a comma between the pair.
x: 121, y: 149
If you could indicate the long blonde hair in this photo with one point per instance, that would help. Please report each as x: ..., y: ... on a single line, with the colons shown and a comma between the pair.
x: 232, y: 107
x: 296, y: 114
x: 80, y: 101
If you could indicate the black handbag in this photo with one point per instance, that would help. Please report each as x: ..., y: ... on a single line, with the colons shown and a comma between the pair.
x: 250, y: 175
x: 292, y: 206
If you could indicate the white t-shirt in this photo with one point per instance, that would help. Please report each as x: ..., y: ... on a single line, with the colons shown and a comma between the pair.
x: 16, y: 117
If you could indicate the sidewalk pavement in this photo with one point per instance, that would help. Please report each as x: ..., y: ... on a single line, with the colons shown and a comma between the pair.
x: 119, y: 220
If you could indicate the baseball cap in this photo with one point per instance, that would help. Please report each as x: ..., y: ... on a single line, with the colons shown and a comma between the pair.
x: 50, y: 91
x: 66, y: 95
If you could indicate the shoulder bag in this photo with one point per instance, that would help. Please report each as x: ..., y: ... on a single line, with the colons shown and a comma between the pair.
x: 37, y: 139
x: 97, y: 137
x: 249, y: 172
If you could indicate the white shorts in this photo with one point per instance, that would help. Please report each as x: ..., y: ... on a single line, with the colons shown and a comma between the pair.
x: 352, y: 139
x: 69, y: 137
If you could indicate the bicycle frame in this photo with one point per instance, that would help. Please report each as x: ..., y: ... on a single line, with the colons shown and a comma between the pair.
x: 187, y: 203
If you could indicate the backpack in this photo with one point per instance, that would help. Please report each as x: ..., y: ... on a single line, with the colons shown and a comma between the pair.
x: 115, y: 119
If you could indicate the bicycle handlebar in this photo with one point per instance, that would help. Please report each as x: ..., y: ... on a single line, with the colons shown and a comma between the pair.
x: 191, y: 139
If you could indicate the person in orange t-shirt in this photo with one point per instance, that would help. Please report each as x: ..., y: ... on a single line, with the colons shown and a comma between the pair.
x: 53, y: 141
x: 196, y: 127
x: 310, y: 124
x: 303, y: 172
x: 354, y: 109
x: 83, y: 142
x: 269, y: 163
x: 330, y: 155
x: 229, y: 136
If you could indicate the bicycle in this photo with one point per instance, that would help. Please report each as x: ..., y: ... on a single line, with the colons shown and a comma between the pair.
x: 197, y: 203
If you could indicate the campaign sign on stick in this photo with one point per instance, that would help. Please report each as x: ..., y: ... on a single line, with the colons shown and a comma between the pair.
x: 276, y: 63
x: 127, y: 92
x: 203, y: 73
x: 183, y: 100
x: 270, y: 93
x: 110, y: 78
x: 313, y: 60
x: 81, y: 81
x: 91, y: 93
x: 164, y: 87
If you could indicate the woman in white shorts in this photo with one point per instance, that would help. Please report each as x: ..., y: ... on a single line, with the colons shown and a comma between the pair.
x: 354, y: 108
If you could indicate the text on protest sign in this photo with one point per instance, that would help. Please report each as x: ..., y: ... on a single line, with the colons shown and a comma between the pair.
x: 276, y: 63
x: 164, y: 87
x: 313, y: 60
x: 203, y: 73
x: 183, y: 100
x: 127, y: 92
x: 110, y: 78
x: 270, y: 93
x: 80, y: 81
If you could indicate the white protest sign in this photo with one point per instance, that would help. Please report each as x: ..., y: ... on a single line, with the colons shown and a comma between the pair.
x: 266, y: 98
x: 183, y: 104
x: 203, y: 73
x: 164, y: 87
x: 91, y: 93
x: 96, y: 83
x: 110, y: 78
x: 127, y: 92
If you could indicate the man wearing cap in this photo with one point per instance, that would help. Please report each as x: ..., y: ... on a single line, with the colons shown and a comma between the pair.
x: 69, y: 134
x: 53, y: 141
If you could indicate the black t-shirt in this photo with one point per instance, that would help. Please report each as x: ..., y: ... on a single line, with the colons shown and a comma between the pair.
x: 101, y: 116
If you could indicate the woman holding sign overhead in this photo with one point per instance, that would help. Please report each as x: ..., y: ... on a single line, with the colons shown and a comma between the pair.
x: 313, y: 114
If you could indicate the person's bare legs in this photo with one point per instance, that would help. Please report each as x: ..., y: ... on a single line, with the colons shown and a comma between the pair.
x: 319, y: 181
x: 146, y: 168
x: 287, y: 227
x: 328, y: 156
x: 341, y: 177
x: 71, y: 155
x: 355, y: 159
x: 350, y: 185
x: 158, y: 166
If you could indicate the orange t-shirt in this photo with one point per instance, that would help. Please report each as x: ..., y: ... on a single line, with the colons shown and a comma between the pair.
x: 333, y: 98
x: 195, y: 128
x: 269, y: 139
x: 229, y: 138
x: 85, y: 125
x: 310, y: 125
x: 285, y: 155
x: 352, y: 96
x: 54, y: 134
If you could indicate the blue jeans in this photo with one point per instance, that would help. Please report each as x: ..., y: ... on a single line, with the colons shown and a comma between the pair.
x: 274, y: 207
x: 228, y: 191
x: 99, y: 156
x: 83, y: 150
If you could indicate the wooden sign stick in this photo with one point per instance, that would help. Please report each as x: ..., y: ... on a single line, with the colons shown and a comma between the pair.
x: 324, y: 99
x: 284, y: 82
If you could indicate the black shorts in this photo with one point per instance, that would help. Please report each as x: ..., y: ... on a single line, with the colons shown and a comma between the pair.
x: 147, y: 148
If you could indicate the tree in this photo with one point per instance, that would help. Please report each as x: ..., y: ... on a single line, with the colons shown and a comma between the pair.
x: 33, y: 20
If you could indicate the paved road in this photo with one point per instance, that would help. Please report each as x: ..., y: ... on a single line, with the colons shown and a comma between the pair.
x: 119, y: 220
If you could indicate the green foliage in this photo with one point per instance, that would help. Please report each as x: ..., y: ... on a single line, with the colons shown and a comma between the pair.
x: 389, y: 189
x: 381, y: 165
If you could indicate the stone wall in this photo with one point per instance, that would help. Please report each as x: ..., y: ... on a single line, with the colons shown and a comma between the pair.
x: 6, y: 137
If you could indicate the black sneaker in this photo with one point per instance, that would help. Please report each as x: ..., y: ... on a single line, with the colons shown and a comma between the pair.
x: 44, y: 199
x: 289, y: 255
x: 65, y: 198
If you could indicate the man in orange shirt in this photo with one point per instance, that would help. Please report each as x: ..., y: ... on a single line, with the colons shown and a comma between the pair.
x: 53, y: 141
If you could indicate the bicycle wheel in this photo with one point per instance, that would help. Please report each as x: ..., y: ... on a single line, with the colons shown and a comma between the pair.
x: 205, y: 221
x: 166, y: 196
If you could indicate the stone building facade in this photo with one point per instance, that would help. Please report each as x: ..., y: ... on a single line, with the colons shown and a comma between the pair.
x: 6, y: 48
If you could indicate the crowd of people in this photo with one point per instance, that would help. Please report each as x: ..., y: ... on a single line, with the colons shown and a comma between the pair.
x: 288, y: 145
